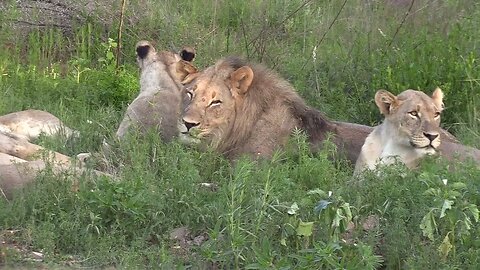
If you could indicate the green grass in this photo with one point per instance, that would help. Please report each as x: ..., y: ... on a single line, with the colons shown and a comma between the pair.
x: 275, y: 214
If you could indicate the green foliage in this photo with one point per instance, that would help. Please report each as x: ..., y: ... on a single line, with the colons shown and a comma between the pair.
x: 299, y: 210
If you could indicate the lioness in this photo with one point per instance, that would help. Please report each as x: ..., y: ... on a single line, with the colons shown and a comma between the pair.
x: 158, y: 104
x: 241, y: 108
x: 31, y: 123
x: 410, y: 131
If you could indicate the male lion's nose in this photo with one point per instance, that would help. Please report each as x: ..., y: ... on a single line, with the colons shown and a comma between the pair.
x: 190, y: 125
x: 430, y: 136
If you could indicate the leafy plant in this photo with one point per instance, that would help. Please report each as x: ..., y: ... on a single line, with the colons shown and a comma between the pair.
x: 452, y: 215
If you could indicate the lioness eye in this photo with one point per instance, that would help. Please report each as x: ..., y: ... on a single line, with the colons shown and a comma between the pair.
x: 413, y: 113
x: 214, y: 103
x: 437, y: 114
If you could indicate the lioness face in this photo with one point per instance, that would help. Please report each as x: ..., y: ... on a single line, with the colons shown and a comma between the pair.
x: 414, y: 116
x: 151, y: 62
x: 216, y: 96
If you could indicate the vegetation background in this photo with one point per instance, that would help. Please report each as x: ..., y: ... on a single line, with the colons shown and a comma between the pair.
x: 297, y: 211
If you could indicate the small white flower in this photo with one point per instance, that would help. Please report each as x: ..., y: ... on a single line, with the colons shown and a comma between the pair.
x: 444, y: 181
x: 89, y: 121
x: 330, y: 193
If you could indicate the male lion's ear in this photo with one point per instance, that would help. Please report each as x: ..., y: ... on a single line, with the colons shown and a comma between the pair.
x: 385, y: 101
x: 241, y: 79
x: 143, y: 48
x: 437, y: 97
x: 187, y: 54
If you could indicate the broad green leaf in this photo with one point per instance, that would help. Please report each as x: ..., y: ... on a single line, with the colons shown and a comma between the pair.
x: 447, y: 204
x: 454, y: 194
x: 305, y: 228
x: 428, y: 225
x: 347, y: 211
x: 445, y: 247
x: 338, y: 217
x: 109, y: 55
x: 293, y: 209
x: 474, y: 210
x: 467, y: 224
x: 431, y: 192
x: 458, y: 185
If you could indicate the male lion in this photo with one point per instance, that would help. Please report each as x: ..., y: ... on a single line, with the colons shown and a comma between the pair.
x: 158, y: 104
x: 241, y: 108
x: 410, y: 131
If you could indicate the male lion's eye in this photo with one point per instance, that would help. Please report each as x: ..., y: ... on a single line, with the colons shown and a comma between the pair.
x: 413, y: 113
x: 214, y: 103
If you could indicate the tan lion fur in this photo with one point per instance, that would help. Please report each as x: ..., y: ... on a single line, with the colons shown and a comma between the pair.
x: 20, y: 147
x: 31, y: 123
x: 159, y: 102
x: 21, y: 161
x: 19, y: 173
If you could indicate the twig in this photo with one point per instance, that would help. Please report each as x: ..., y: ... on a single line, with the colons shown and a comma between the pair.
x: 403, y: 21
x: 281, y: 23
x: 328, y: 29
x: 40, y: 24
x: 120, y: 26
x: 4, y: 195
x: 245, y: 37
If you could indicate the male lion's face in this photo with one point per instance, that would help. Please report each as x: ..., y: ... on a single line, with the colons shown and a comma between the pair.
x: 216, y: 95
x: 414, y: 116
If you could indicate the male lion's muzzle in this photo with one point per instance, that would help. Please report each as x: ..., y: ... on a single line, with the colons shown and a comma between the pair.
x: 189, y: 125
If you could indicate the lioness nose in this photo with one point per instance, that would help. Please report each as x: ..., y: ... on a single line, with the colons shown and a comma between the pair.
x: 189, y: 125
x: 430, y: 136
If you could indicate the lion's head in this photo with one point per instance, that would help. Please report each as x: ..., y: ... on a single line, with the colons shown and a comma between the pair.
x: 216, y: 94
x: 155, y: 65
x: 243, y: 108
x: 162, y: 95
x: 413, y: 117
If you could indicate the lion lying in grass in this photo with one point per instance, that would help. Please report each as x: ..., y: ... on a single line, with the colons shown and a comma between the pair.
x: 31, y: 123
x: 411, y: 130
x: 20, y: 160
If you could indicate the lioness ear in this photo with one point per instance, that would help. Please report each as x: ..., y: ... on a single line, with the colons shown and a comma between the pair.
x: 187, y: 54
x: 183, y: 69
x: 241, y: 79
x: 190, y: 77
x: 437, y: 97
x: 143, y: 48
x: 385, y: 101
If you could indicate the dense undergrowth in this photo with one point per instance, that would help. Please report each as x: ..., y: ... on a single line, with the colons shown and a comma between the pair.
x: 292, y: 212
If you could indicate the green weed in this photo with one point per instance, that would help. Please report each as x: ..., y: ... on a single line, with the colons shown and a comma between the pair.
x: 299, y: 210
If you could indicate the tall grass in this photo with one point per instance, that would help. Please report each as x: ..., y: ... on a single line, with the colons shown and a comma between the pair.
x: 291, y: 212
